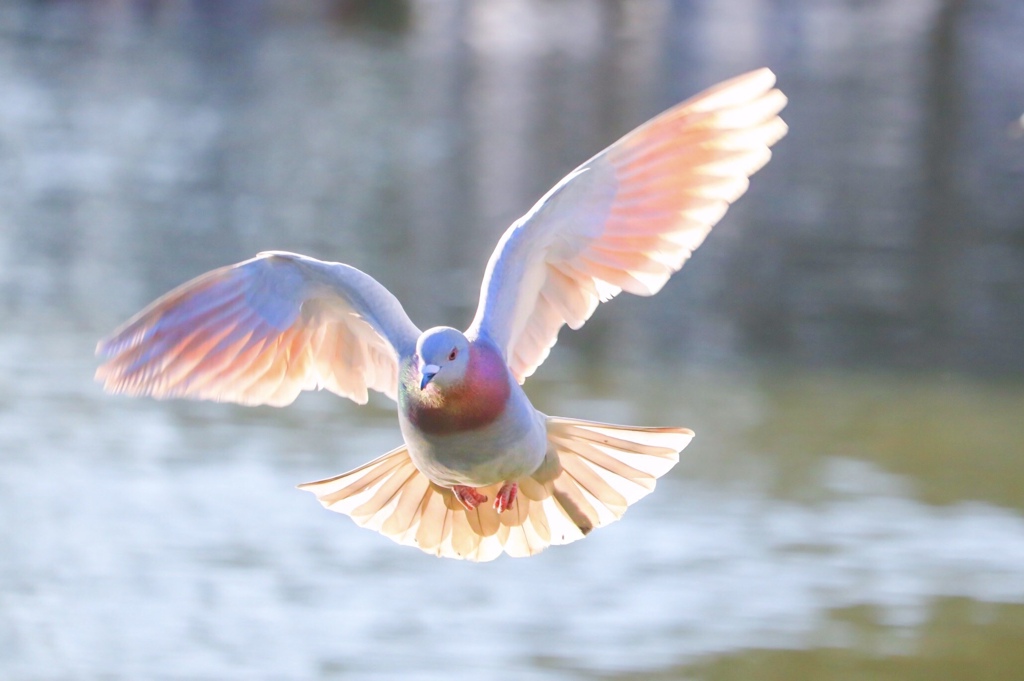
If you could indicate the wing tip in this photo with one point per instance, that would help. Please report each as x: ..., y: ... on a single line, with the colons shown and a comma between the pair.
x: 763, y: 74
x: 762, y: 78
x: 102, y: 347
x: 738, y: 90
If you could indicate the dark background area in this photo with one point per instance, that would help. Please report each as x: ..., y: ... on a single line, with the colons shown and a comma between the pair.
x: 168, y: 137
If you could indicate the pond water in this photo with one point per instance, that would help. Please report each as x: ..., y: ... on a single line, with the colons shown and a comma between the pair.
x: 847, y: 345
x: 847, y: 518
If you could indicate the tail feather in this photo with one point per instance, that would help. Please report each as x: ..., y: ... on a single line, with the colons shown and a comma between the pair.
x: 591, y: 474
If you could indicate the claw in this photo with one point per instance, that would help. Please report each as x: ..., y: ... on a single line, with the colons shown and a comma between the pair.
x: 506, y: 497
x: 468, y: 496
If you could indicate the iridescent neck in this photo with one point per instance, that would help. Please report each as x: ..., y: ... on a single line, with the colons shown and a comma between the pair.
x: 473, y: 403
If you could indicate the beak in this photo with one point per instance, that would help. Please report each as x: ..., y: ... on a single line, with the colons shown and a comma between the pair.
x: 428, y: 372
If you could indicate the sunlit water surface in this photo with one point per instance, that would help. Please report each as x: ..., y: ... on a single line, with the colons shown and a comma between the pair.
x: 165, y: 540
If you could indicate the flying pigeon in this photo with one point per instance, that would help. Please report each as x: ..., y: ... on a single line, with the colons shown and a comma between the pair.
x: 481, y: 471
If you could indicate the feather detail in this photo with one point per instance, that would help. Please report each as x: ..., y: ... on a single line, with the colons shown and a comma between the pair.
x: 592, y: 473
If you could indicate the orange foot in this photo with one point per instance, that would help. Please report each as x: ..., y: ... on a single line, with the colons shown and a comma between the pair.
x: 506, y: 497
x: 468, y: 496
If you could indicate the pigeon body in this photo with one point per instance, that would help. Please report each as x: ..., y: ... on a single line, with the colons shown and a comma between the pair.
x: 481, y: 472
x: 476, y: 429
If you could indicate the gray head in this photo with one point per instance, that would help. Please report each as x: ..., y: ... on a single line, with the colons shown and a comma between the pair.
x: 443, y: 354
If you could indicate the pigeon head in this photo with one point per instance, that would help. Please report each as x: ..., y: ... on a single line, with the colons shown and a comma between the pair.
x: 443, y: 354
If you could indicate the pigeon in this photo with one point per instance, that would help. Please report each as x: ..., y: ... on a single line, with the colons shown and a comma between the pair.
x: 480, y: 471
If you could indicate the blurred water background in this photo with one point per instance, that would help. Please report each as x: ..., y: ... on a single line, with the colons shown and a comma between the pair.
x: 848, y: 343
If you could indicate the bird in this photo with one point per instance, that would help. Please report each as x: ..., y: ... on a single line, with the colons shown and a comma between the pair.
x: 480, y: 472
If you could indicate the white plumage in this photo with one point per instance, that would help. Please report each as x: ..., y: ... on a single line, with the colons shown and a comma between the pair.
x: 262, y: 331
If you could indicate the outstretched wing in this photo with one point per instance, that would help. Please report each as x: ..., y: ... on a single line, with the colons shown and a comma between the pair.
x: 628, y: 218
x: 260, y: 332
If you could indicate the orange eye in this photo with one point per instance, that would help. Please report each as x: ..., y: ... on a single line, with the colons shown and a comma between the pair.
x: 453, y: 354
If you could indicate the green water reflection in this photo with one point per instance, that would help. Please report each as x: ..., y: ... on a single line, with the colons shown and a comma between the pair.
x: 953, y: 438
x: 961, y: 640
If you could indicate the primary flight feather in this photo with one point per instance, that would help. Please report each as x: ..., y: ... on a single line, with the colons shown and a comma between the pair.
x: 481, y: 471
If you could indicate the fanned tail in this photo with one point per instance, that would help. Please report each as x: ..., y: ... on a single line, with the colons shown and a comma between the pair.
x: 597, y: 470
x: 390, y: 495
x: 591, y: 474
